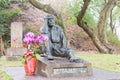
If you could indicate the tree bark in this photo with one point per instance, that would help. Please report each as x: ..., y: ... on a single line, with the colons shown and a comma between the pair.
x: 111, y: 21
x: 48, y: 9
x: 3, y: 52
x: 102, y: 23
x: 94, y: 37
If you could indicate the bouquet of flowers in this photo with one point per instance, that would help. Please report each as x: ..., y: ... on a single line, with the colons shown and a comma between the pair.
x: 33, y: 45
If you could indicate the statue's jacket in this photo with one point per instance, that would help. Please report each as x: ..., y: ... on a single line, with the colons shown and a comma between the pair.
x: 56, y: 34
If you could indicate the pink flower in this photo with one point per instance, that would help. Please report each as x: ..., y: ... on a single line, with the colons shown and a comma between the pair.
x: 29, y: 34
x: 41, y: 38
x: 29, y: 37
x: 45, y: 38
x: 14, y: 39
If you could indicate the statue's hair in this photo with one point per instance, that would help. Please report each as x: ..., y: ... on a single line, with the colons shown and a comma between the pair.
x: 49, y: 16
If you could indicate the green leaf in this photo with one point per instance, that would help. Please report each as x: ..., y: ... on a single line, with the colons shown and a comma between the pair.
x: 23, y: 60
x: 29, y: 57
x: 37, y: 56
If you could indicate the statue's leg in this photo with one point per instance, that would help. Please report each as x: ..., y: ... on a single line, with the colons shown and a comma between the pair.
x: 63, y: 52
x: 66, y: 52
x: 49, y: 50
x: 57, y: 51
x: 72, y: 57
x: 70, y: 54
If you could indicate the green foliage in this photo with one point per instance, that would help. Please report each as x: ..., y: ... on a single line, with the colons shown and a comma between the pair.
x: 89, y: 19
x: 4, y: 3
x: 29, y: 57
x: 113, y: 38
x: 116, y: 14
x: 37, y: 56
x: 38, y: 49
x: 23, y: 60
x: 3, y: 30
x: 23, y: 1
x: 6, y: 17
x: 75, y: 7
x: 29, y: 28
x: 24, y: 4
x: 4, y: 76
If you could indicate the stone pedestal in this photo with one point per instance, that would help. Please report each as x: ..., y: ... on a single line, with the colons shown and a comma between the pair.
x: 16, y: 50
x: 15, y: 53
x: 16, y: 32
x: 61, y: 67
x: 11, y: 58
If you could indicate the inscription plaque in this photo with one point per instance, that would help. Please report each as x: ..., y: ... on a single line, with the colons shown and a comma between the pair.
x: 70, y: 70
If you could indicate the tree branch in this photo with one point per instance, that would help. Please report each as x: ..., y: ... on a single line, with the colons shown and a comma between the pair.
x: 81, y: 14
x: 48, y: 9
x: 83, y: 10
x: 102, y: 23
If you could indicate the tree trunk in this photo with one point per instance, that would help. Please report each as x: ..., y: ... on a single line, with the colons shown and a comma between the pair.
x: 111, y: 22
x: 3, y: 52
x: 48, y: 9
x: 102, y: 23
x: 94, y: 37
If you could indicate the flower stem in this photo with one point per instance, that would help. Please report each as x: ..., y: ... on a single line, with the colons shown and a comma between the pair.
x: 28, y: 46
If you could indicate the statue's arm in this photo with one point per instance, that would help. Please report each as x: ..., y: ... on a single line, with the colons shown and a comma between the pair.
x: 63, y: 38
x: 44, y: 28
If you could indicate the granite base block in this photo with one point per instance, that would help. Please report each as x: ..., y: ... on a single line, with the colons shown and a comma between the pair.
x: 61, y: 67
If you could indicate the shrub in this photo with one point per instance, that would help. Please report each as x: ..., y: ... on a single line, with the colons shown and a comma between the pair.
x: 4, y: 3
x: 113, y: 38
x: 6, y: 17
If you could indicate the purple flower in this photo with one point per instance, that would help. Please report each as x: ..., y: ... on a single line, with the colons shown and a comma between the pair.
x: 29, y: 37
x: 41, y: 38
x: 14, y: 39
x: 45, y: 38
x: 29, y: 34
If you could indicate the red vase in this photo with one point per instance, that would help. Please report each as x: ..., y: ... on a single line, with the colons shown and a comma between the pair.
x: 30, y: 66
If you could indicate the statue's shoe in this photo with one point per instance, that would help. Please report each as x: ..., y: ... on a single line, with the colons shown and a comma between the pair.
x: 49, y: 57
x: 43, y: 55
x: 77, y: 60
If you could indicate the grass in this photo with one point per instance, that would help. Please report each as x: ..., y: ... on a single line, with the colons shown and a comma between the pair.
x: 113, y: 38
x: 4, y: 63
x: 103, y: 61
x: 4, y: 76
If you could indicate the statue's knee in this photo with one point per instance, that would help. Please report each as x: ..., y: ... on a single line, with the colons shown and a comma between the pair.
x: 70, y: 50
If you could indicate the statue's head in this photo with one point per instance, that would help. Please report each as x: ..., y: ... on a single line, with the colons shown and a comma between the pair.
x: 50, y: 20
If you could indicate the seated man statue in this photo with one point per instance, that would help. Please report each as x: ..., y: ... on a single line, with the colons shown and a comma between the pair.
x: 56, y: 44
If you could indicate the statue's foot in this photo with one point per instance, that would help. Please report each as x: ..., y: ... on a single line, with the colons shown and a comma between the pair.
x: 77, y: 60
x: 43, y: 55
x: 49, y: 57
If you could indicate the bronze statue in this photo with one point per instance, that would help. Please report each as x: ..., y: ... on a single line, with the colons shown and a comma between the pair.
x: 56, y: 44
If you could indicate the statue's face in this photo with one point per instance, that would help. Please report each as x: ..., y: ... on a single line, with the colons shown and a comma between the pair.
x: 51, y: 22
